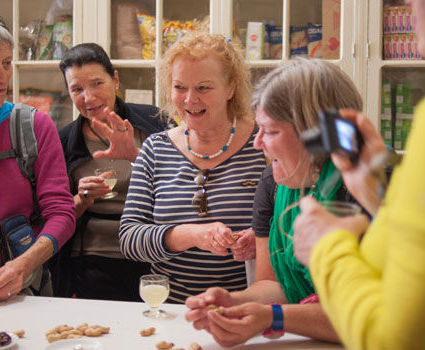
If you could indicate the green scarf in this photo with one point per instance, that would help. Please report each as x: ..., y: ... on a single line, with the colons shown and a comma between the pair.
x: 292, y: 276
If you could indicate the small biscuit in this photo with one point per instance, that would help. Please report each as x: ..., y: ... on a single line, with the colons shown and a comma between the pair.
x: 63, y: 328
x: 147, y: 332
x: 93, y: 332
x: 163, y: 345
x: 195, y: 346
x: 51, y: 331
x: 72, y: 331
x: 19, y: 333
x: 214, y: 308
x: 82, y: 327
x: 53, y: 337
x: 74, y: 336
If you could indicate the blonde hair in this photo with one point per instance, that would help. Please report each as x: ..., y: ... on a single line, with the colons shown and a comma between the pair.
x: 296, y: 91
x: 199, y: 45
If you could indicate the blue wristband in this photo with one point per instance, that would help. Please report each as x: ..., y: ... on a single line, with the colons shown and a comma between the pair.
x: 277, y: 324
x: 276, y: 329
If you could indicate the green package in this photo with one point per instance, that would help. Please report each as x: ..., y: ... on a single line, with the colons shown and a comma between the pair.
x: 45, y: 43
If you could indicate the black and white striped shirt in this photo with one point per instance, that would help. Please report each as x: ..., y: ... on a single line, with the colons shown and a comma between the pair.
x: 160, y: 197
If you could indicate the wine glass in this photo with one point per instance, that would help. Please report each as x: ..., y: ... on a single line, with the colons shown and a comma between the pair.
x: 110, y: 178
x: 154, y: 290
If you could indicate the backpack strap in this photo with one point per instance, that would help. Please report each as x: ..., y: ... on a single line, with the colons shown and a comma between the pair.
x: 24, y: 144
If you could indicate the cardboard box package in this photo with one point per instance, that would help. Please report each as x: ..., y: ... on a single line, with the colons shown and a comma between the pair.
x: 386, y: 115
x: 331, y: 19
x: 254, y: 40
x: 404, y: 114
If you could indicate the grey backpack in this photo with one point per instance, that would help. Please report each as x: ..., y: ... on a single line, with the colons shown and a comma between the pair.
x: 24, y: 149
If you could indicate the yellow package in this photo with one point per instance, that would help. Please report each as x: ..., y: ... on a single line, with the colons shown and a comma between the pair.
x: 148, y: 35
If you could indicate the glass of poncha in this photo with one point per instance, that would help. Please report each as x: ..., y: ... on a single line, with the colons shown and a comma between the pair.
x: 154, y: 290
x: 109, y: 176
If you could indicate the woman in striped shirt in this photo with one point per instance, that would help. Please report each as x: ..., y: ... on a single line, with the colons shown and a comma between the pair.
x: 189, y: 203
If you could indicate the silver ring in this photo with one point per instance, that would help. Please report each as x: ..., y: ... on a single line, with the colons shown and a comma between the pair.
x: 125, y: 130
x: 86, y: 193
x: 9, y: 294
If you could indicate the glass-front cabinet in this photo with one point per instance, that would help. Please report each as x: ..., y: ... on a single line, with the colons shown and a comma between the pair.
x: 396, y: 71
x: 136, y: 33
x: 43, y: 30
x: 270, y: 31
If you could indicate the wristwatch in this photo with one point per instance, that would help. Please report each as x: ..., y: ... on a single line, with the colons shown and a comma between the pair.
x: 276, y: 330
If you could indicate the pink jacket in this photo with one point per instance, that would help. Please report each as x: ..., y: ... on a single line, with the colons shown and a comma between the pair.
x: 55, y: 199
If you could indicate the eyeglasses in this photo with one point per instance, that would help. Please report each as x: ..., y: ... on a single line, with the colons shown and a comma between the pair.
x: 199, y: 200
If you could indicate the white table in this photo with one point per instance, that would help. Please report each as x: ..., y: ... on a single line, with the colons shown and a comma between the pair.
x: 36, y: 315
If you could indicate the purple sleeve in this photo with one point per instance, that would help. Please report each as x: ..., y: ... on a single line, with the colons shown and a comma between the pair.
x: 54, y: 197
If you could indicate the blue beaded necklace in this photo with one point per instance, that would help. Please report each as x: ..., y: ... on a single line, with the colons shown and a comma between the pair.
x: 223, y: 149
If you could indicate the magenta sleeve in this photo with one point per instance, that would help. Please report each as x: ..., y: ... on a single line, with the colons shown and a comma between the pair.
x: 53, y: 194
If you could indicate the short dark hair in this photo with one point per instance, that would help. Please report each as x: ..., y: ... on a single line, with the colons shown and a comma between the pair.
x: 86, y: 53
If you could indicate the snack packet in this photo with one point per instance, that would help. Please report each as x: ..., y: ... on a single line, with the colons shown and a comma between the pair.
x: 148, y: 35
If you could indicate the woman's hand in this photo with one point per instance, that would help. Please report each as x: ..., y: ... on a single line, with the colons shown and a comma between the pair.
x: 92, y: 187
x: 357, y: 177
x: 89, y: 188
x: 215, y: 237
x: 314, y: 222
x: 198, y: 305
x: 244, y: 248
x: 235, y: 325
x: 12, y: 278
x: 120, y: 134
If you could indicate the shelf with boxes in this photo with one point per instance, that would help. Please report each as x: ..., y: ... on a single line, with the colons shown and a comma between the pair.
x: 137, y: 43
x: 401, y: 73
x: 128, y: 30
x: 399, y: 96
x: 282, y: 30
x: 42, y: 32
x: 396, y: 73
x: 400, y: 42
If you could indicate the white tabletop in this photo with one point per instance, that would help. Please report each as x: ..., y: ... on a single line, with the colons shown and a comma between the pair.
x: 37, y: 315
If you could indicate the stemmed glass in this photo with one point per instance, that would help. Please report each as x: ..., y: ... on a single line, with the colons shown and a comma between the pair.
x: 110, y: 178
x: 154, y: 290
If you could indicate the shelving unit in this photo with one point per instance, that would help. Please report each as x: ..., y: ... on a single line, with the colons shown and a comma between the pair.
x: 393, y: 71
x: 95, y: 21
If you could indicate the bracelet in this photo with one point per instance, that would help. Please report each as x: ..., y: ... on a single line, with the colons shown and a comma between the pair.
x: 277, y: 329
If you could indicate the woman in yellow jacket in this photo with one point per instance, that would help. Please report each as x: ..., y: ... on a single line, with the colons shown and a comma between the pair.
x: 374, y: 291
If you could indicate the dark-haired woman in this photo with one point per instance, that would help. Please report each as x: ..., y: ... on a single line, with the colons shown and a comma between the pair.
x: 99, y: 271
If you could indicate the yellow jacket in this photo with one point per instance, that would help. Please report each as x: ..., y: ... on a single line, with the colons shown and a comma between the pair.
x: 374, y: 293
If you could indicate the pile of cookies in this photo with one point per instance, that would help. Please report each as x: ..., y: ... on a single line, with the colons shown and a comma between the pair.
x: 67, y: 332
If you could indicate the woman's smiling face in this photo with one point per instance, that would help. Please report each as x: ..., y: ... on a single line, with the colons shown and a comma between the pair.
x: 91, y: 89
x: 200, y: 91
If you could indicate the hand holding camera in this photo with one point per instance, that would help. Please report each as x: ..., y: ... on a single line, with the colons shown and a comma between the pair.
x: 334, y: 134
x: 354, y: 143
